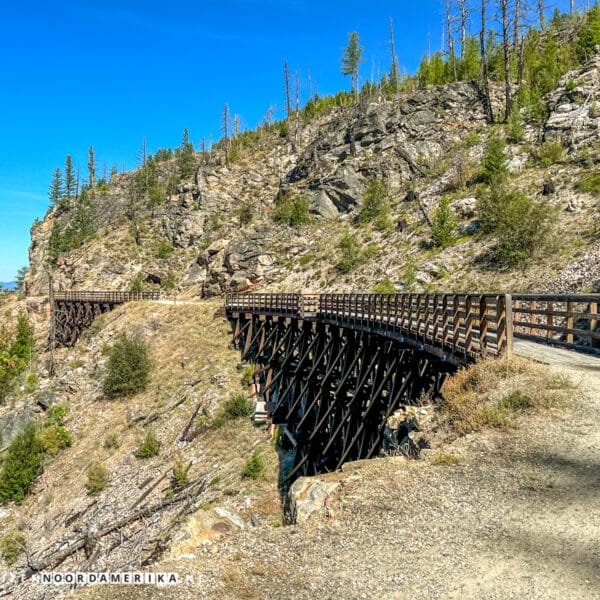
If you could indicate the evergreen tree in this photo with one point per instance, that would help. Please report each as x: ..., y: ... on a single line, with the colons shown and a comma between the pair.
x: 186, y: 159
x: 69, y: 178
x: 23, y: 347
x: 352, y: 58
x: 56, y: 190
x: 494, y: 167
x: 23, y: 463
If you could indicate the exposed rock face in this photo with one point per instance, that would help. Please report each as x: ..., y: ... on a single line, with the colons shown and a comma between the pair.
x: 13, y: 423
x: 396, y: 139
x: 575, y: 107
x: 309, y: 495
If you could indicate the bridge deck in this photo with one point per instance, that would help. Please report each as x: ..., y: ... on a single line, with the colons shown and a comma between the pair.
x: 551, y: 355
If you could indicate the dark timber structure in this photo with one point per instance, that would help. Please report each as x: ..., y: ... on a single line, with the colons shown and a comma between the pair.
x: 334, y: 367
x: 72, y: 312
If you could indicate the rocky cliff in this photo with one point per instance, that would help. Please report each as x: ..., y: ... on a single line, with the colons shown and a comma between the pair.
x: 424, y: 144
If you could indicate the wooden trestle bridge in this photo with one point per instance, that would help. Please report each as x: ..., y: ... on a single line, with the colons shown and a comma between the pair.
x: 334, y: 367
x: 73, y: 312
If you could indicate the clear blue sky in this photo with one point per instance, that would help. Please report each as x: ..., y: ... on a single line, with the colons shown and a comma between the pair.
x: 76, y: 73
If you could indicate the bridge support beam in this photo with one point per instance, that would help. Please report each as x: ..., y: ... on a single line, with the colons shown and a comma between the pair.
x: 333, y: 388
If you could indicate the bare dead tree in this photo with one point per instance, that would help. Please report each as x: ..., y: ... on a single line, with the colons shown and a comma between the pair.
x: 571, y: 7
x: 236, y: 125
x: 517, y: 25
x: 462, y: 5
x: 309, y: 78
x: 504, y: 8
x: 226, y: 130
x: 484, y: 70
x: 395, y: 70
x: 542, y: 17
x: 288, y: 97
x: 451, y: 53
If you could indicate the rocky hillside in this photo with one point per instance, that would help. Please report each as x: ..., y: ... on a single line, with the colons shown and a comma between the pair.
x: 223, y: 228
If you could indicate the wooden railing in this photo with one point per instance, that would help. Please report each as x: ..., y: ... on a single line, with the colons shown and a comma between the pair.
x: 285, y: 305
x: 566, y: 319
x: 105, y: 296
x: 463, y: 324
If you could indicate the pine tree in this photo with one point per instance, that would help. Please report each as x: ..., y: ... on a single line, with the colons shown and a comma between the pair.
x: 352, y: 58
x: 56, y: 190
x: 186, y: 159
x: 494, y: 167
x: 69, y: 178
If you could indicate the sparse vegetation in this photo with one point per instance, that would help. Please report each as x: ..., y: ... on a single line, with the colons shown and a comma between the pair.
x: 98, y: 477
x: 375, y: 207
x: 112, y: 441
x: 164, y: 249
x: 386, y: 286
x: 236, y: 406
x: 12, y: 545
x: 549, y: 153
x: 492, y: 393
x: 149, y: 447
x: 128, y: 367
x: 445, y: 458
x: 179, y: 477
x: 255, y: 466
x: 590, y: 184
x: 292, y: 210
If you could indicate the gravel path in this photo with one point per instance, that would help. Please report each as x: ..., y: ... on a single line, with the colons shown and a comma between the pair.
x: 518, y: 517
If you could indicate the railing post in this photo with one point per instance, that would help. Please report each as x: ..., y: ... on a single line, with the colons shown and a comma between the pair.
x: 570, y: 338
x: 508, y: 318
x: 594, y: 324
x: 483, y: 325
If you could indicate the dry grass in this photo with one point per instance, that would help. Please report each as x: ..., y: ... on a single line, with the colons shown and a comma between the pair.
x: 445, y: 458
x: 494, y: 392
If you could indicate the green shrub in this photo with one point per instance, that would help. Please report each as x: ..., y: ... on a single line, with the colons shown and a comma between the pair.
x: 157, y: 194
x: 246, y: 214
x: 149, y: 447
x: 472, y: 139
x: 549, y: 153
x: 409, y: 274
x: 21, y: 466
x: 375, y: 206
x: 248, y: 375
x: 137, y: 283
x: 111, y: 441
x: 493, y: 166
x: 516, y: 131
x: 98, y: 477
x: 164, y: 250
x: 12, y: 546
x: 590, y: 184
x: 54, y: 438
x: 128, y: 367
x: 443, y: 224
x: 236, y: 406
x: 292, y: 210
x: 58, y: 414
x: 385, y: 287
x: 255, y: 466
x: 179, y: 476
x: 515, y: 402
x: 520, y: 224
